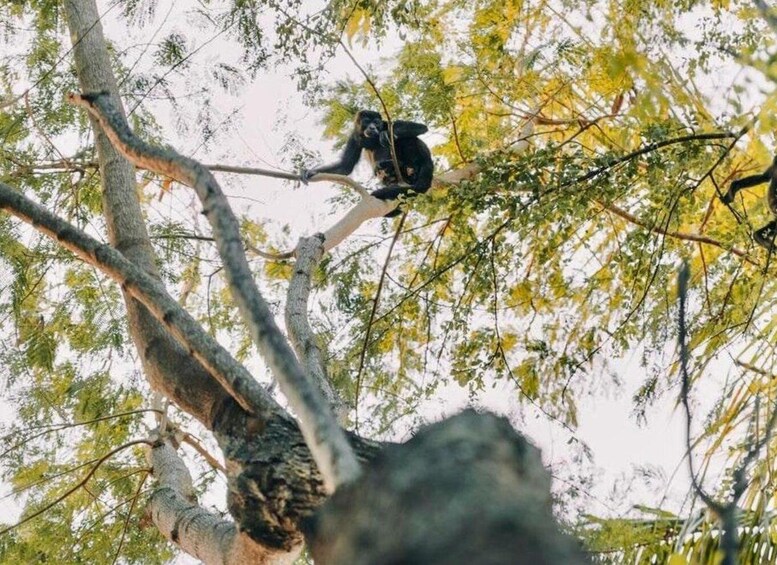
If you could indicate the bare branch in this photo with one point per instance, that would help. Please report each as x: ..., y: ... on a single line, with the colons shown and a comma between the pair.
x: 323, y: 436
x: 366, y: 209
x: 188, y: 438
x: 727, y: 513
x: 205, y: 536
x: 320, y: 177
x: 675, y: 234
x: 682, y: 292
x: 125, y: 527
x: 150, y: 292
x: 309, y: 252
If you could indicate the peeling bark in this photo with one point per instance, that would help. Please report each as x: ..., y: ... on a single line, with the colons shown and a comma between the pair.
x: 273, y: 483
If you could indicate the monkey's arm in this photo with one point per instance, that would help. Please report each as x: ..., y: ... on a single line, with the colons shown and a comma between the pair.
x: 746, y: 182
x: 344, y: 166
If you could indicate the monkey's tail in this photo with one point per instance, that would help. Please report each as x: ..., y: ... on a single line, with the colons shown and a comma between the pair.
x: 270, y: 256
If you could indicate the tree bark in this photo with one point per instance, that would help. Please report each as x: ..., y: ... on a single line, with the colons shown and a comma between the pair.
x: 466, y: 490
x: 202, y: 534
x: 309, y: 251
x: 169, y: 367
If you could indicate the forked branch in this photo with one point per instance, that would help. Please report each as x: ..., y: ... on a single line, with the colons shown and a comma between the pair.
x: 203, y: 535
x: 325, y: 439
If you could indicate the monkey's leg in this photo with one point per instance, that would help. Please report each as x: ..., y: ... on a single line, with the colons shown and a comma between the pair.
x: 390, y: 193
x: 765, y: 235
x: 771, y: 197
x: 746, y: 182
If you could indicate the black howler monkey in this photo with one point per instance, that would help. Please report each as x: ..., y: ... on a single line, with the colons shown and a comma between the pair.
x: 371, y: 133
x: 765, y: 235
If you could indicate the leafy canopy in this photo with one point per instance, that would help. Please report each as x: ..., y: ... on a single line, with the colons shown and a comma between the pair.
x: 536, y: 273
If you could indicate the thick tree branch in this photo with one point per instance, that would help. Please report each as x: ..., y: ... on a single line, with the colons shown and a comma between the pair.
x: 323, y: 436
x: 462, y: 491
x: 309, y: 252
x: 150, y: 292
x: 201, y: 534
x: 367, y: 208
x: 169, y: 367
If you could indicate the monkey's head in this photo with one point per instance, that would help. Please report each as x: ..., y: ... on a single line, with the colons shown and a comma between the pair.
x: 368, y: 124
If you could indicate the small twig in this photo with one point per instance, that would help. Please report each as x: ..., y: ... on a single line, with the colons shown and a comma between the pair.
x: 319, y: 177
x: 129, y: 515
x: 189, y: 439
x: 649, y: 148
x: 51, y: 428
x: 374, y: 310
x: 77, y: 486
x: 755, y: 369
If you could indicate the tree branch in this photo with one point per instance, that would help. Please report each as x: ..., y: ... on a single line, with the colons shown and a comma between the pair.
x: 682, y: 334
x: 325, y: 439
x: 675, y: 234
x: 373, y: 311
x: 78, y: 485
x: 150, y: 292
x: 726, y: 512
x: 309, y: 252
x: 205, y: 536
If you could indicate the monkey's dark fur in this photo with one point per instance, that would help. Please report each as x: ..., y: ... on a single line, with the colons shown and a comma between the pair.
x: 371, y: 133
x: 765, y: 235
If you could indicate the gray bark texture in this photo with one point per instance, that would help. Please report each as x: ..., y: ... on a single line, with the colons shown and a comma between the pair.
x: 324, y: 437
x: 468, y: 490
x: 168, y: 366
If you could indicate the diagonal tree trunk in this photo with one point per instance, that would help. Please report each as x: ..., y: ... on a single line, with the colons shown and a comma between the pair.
x: 168, y: 367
